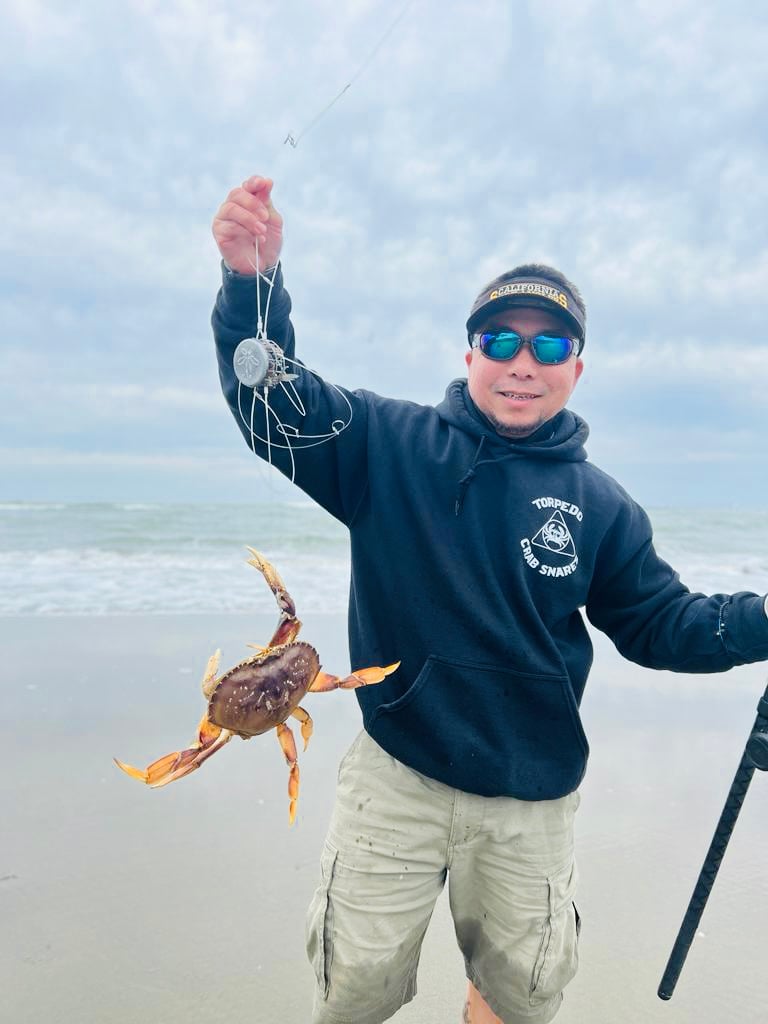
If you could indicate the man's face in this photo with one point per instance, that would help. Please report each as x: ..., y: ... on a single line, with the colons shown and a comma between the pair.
x: 520, y: 394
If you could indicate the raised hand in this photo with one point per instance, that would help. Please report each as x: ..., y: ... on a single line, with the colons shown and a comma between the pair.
x: 247, y: 222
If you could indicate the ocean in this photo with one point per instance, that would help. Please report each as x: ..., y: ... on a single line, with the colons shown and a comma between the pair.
x: 106, y: 559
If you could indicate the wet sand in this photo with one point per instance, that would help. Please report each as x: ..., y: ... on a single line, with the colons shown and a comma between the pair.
x: 124, y: 904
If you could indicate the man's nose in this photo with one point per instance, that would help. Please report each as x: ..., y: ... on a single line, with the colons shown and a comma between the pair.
x: 522, y: 364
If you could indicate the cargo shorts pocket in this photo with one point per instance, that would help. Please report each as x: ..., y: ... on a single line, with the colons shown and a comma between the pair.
x: 558, y: 957
x: 319, y: 928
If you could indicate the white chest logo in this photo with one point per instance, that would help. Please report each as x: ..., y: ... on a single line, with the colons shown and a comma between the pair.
x: 555, y: 536
x: 556, y: 555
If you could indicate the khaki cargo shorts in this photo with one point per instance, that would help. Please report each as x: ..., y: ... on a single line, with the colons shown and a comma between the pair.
x: 395, y: 837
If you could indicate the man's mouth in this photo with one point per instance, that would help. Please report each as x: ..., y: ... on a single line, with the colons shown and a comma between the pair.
x: 518, y: 396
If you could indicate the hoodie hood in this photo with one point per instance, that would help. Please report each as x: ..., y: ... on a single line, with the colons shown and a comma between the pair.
x: 563, y: 437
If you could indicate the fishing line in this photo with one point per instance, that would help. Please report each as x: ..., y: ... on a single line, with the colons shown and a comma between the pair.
x: 293, y: 140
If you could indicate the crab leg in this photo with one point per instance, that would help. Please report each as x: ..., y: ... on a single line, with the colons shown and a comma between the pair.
x: 306, y: 724
x: 209, y: 676
x: 288, y: 745
x: 360, y: 677
x: 288, y: 627
x: 210, y: 738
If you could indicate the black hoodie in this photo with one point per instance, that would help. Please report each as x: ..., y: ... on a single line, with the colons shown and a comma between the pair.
x: 472, y: 557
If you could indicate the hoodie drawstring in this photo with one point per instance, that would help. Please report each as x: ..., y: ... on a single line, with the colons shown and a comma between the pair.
x: 467, y: 478
x: 471, y: 473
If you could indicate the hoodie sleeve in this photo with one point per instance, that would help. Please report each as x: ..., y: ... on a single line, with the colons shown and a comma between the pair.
x: 333, y: 471
x: 637, y: 599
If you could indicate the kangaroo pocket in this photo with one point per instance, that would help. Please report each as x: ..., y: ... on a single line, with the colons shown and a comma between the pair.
x: 486, y: 729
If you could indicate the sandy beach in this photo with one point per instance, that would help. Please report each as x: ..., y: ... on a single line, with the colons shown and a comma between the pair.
x: 128, y: 905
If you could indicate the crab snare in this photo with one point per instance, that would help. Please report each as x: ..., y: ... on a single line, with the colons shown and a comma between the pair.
x: 261, y: 367
x: 260, y: 363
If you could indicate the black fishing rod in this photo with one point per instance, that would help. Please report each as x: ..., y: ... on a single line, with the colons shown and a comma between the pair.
x: 755, y: 756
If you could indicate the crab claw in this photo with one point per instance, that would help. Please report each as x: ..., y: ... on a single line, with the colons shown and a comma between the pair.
x: 323, y: 682
x: 135, y: 773
x: 288, y: 626
x: 164, y: 770
x: 274, y: 582
x: 170, y: 767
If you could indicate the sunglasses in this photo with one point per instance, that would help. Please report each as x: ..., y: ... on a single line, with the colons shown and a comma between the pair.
x: 549, y: 349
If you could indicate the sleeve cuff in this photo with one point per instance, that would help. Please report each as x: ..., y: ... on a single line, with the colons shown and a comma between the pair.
x: 236, y: 273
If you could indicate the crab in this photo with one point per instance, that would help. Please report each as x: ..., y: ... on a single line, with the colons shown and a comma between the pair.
x: 257, y: 695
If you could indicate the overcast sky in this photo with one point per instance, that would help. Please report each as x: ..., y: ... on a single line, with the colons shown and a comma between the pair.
x: 624, y: 143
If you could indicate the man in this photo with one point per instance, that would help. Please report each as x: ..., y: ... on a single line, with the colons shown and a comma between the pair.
x: 478, y: 532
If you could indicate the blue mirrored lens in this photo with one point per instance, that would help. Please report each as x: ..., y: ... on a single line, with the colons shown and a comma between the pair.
x: 501, y: 345
x: 549, y: 349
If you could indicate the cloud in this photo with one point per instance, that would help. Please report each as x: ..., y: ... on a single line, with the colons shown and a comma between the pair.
x: 702, y: 358
x: 618, y: 143
x: 130, y: 400
x: 692, y: 52
x: 660, y: 447
x: 77, y: 236
x: 45, y: 30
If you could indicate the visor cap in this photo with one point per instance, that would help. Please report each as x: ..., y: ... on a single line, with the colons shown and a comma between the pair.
x: 515, y: 289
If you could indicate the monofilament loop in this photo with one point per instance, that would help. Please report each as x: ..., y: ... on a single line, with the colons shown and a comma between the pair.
x: 281, y: 372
